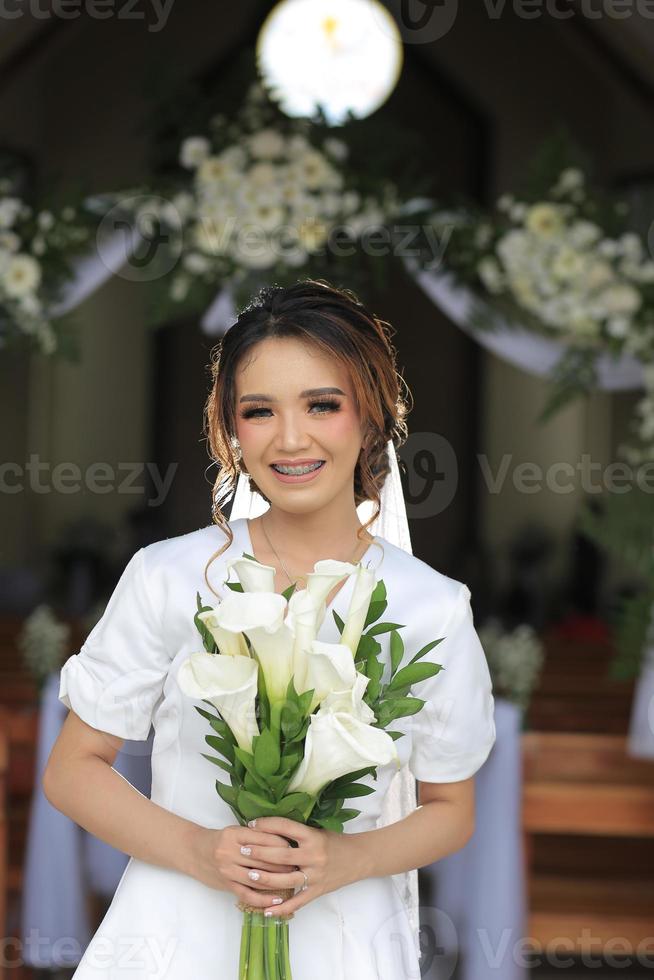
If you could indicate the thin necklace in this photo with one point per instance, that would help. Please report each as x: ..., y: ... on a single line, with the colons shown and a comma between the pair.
x: 281, y: 560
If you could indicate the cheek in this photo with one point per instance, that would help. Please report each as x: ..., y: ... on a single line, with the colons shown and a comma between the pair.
x: 342, y: 427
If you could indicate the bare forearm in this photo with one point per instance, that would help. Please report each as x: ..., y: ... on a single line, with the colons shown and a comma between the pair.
x: 431, y: 832
x: 100, y: 800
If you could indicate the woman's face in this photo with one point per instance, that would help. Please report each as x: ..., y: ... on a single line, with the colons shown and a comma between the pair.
x: 295, y: 405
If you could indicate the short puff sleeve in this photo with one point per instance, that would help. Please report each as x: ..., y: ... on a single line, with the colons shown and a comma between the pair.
x: 116, y: 679
x: 454, y: 731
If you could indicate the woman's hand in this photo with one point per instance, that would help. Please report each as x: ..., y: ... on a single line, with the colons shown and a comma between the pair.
x: 329, y: 860
x: 217, y: 860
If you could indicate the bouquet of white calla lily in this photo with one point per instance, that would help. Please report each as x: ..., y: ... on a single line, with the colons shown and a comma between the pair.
x: 350, y: 700
x: 299, y: 720
x: 328, y: 667
x: 252, y: 574
x: 364, y: 585
x: 337, y: 743
x: 228, y: 643
x: 230, y: 684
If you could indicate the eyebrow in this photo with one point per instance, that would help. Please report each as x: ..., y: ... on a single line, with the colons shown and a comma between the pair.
x: 307, y: 393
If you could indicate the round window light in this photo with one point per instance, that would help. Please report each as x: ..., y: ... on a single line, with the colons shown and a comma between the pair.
x: 344, y: 55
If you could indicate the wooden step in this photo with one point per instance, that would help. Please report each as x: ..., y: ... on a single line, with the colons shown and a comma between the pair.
x: 590, y: 914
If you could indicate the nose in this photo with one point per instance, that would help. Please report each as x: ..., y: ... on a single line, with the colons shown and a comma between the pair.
x: 291, y: 436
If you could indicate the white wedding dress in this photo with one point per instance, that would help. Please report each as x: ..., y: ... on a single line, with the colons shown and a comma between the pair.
x: 165, y: 925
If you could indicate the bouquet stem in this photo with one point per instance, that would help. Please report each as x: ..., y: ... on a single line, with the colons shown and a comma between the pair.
x: 265, y: 951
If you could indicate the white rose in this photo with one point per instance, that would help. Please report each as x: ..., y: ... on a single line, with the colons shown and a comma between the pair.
x: 194, y: 151
x: 544, y: 220
x: 21, y: 275
x: 266, y: 144
x: 10, y: 208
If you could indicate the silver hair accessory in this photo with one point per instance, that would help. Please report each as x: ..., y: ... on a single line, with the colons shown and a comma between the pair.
x: 391, y: 524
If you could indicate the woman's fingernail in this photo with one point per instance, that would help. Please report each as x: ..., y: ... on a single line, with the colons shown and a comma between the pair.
x: 246, y: 850
x: 254, y: 875
x: 268, y: 912
x: 277, y: 901
x: 252, y: 823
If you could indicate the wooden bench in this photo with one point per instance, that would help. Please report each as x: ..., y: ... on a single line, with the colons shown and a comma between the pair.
x: 585, y: 785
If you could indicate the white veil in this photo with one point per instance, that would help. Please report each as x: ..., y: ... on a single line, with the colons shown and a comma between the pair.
x: 400, y: 800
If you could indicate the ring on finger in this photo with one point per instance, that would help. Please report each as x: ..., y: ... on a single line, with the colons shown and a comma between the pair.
x: 306, y: 880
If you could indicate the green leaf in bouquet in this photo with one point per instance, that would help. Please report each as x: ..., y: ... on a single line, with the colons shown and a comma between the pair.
x: 235, y: 586
x: 357, y: 774
x: 412, y: 674
x: 208, y: 715
x: 328, y: 808
x: 305, y: 700
x: 207, y: 638
x: 376, y: 609
x: 247, y: 759
x: 394, y: 735
x: 398, y: 708
x: 340, y: 623
x: 254, y: 805
x: 287, y: 593
x: 348, y: 814
x: 227, y: 793
x: 221, y: 726
x: 425, y: 649
x: 264, y: 703
x: 294, y: 801
x: 266, y: 752
x: 328, y: 823
x: 345, y: 792
x: 397, y: 651
x: 291, y: 757
x: 384, y: 628
x: 217, y: 762
x: 222, y: 745
x: 374, y: 670
x: 368, y: 646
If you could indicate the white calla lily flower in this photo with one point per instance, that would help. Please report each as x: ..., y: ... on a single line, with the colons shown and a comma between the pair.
x: 350, y: 700
x: 260, y: 615
x: 240, y: 612
x: 326, y: 575
x: 228, y: 643
x: 252, y: 574
x: 305, y: 615
x: 336, y: 744
x: 274, y: 651
x: 328, y: 667
x: 230, y: 684
x: 364, y: 586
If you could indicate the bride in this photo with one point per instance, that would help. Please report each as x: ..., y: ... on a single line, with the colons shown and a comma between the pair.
x: 306, y: 404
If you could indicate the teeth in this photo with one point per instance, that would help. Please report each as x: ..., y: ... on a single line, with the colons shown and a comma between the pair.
x: 296, y: 470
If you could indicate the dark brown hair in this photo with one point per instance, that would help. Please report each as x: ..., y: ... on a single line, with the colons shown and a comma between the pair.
x: 335, y: 321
